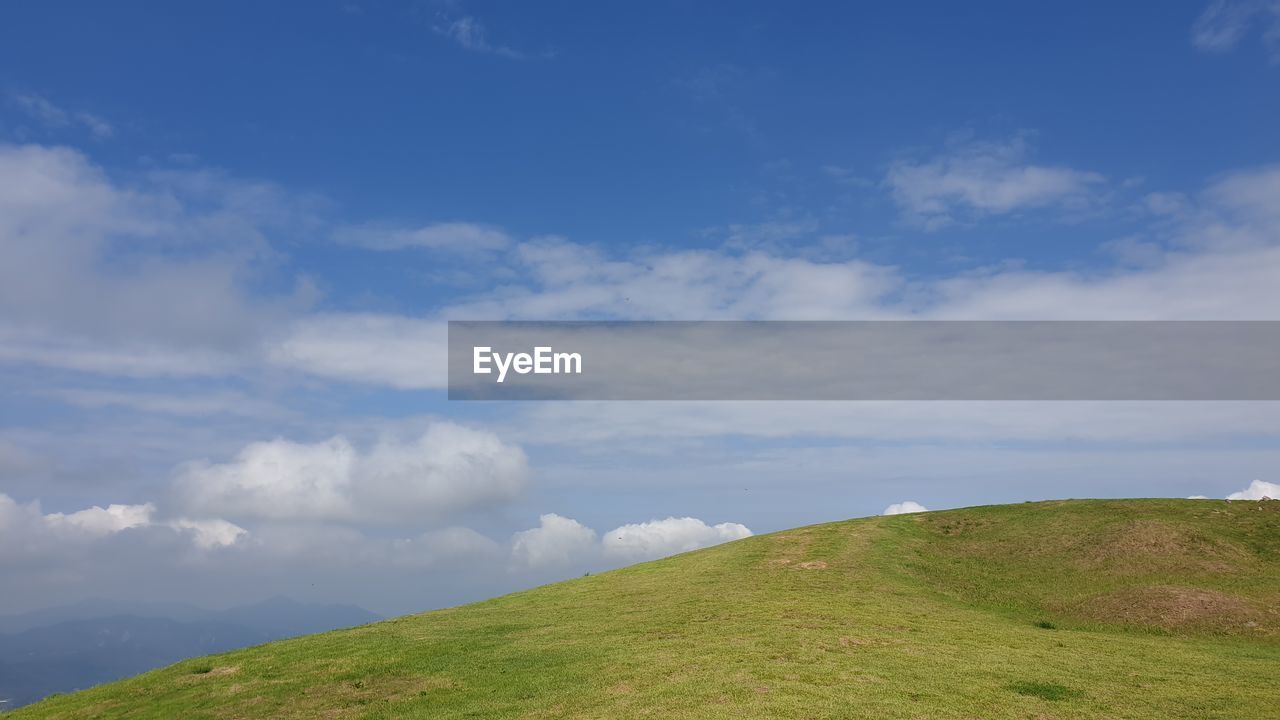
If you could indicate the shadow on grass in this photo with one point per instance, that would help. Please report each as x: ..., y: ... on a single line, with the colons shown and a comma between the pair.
x: 1045, y: 690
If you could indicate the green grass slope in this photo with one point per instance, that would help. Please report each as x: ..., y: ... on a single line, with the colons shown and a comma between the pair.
x: 1073, y: 609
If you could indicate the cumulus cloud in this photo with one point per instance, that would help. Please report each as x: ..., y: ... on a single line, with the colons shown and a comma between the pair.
x: 448, y: 469
x: 1224, y: 23
x: 984, y: 179
x: 447, y: 236
x: 556, y: 542
x: 660, y: 538
x: 905, y: 507
x: 1257, y: 490
x: 562, y: 542
x: 102, y: 521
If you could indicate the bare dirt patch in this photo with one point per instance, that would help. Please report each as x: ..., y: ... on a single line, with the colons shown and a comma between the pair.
x: 812, y: 565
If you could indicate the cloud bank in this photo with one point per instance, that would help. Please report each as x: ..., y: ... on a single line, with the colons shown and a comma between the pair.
x: 448, y: 469
x: 560, y: 541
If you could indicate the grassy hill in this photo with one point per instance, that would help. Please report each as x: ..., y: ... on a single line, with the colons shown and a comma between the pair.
x: 1072, y: 609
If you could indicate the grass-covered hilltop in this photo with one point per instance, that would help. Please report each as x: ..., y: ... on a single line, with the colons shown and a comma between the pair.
x: 1067, y: 609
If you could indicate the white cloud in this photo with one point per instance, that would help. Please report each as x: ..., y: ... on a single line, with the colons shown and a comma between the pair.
x: 448, y: 469
x: 565, y: 280
x: 1248, y: 200
x: 1257, y: 490
x: 102, y: 521
x: 55, y: 117
x: 448, y: 236
x: 134, y: 280
x: 151, y: 325
x: 571, y: 281
x: 556, y: 542
x: 1224, y: 23
x: 985, y: 179
x: 470, y: 34
x: 208, y: 534
x: 660, y: 538
x: 561, y: 542
x: 26, y: 527
x: 402, y: 352
x: 905, y: 507
x: 1224, y: 258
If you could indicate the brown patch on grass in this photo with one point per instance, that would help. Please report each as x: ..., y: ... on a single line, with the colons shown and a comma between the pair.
x: 202, y: 675
x: 812, y: 565
x: 621, y: 688
x: 951, y: 525
x: 345, y: 698
x: 1140, y: 546
x: 786, y: 548
x: 1174, y: 608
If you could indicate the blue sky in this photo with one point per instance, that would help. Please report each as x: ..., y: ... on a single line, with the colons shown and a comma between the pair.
x: 229, y: 236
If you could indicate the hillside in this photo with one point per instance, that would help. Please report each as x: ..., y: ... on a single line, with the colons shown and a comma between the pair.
x: 1070, y: 609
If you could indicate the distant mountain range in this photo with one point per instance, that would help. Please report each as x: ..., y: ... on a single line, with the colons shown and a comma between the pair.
x: 77, y: 646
